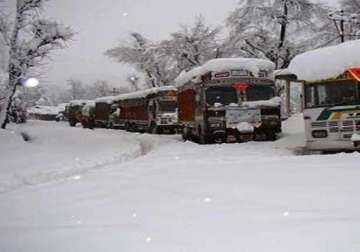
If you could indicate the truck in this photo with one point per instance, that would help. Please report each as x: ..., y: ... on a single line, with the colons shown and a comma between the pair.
x: 73, y: 111
x: 229, y: 100
x: 152, y: 110
x: 103, y: 109
x: 88, y: 115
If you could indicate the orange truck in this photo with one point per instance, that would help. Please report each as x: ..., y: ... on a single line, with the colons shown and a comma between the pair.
x: 153, y: 110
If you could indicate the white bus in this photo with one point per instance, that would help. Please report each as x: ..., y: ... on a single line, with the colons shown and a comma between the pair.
x: 332, y: 113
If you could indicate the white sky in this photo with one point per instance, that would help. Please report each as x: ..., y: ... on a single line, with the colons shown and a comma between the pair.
x: 100, y: 24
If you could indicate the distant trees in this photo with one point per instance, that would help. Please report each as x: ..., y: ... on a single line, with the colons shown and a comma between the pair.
x: 278, y: 29
x: 29, y: 39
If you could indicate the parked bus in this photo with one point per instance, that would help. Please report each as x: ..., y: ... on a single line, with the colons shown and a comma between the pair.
x: 153, y: 110
x: 229, y: 100
x: 331, y: 96
x: 103, y: 109
x: 332, y: 112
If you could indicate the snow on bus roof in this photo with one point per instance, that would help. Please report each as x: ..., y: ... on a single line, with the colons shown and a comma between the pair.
x: 252, y: 65
x: 105, y: 99
x: 325, y: 63
x: 78, y: 102
x: 144, y: 93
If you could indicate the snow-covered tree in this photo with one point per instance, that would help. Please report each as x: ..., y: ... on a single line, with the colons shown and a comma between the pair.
x: 140, y: 53
x: 351, y: 6
x: 161, y: 62
x: 192, y: 45
x: 76, y: 89
x: 277, y: 29
x: 133, y: 80
x: 29, y: 39
x: 351, y: 12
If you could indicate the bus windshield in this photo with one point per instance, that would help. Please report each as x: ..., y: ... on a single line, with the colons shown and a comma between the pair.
x: 334, y: 93
x: 167, y: 106
x: 259, y: 93
x: 221, y: 95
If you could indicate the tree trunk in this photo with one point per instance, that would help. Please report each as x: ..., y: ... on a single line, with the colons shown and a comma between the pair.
x: 282, y: 30
x: 14, y: 71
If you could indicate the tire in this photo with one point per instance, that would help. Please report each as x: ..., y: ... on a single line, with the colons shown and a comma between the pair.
x: 154, y: 129
x: 185, y: 133
x: 127, y: 127
x: 72, y: 123
x: 203, y: 138
x: 271, y: 136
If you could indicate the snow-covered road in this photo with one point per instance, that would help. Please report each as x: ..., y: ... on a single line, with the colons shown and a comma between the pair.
x: 184, y: 197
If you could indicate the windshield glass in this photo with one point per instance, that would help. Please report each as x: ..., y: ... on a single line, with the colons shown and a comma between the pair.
x: 167, y: 106
x: 259, y: 93
x: 221, y: 95
x: 339, y: 92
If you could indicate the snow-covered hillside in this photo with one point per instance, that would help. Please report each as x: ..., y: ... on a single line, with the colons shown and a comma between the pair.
x: 256, y: 196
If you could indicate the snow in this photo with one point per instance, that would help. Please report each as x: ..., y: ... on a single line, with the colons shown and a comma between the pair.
x: 174, y: 195
x: 225, y: 64
x: 78, y: 102
x: 58, y: 151
x: 274, y: 102
x: 325, y: 63
x: 355, y: 138
x: 144, y: 93
x: 106, y: 99
x: 245, y: 127
x: 44, y: 110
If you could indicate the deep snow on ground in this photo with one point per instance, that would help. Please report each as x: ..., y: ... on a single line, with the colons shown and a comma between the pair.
x: 57, y: 151
x: 255, y: 196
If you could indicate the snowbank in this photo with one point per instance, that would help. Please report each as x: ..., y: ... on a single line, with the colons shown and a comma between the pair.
x: 144, y: 93
x: 219, y: 65
x: 325, y: 63
x: 185, y: 197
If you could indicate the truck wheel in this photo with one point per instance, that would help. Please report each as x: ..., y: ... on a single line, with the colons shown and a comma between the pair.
x: 127, y: 127
x: 154, y: 129
x: 185, y: 133
x: 72, y: 123
x: 203, y: 138
x: 91, y: 125
x: 271, y: 136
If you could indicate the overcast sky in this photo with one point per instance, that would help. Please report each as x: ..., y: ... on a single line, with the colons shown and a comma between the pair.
x: 100, y: 24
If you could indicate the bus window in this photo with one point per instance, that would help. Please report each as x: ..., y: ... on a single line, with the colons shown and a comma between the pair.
x: 335, y: 93
x: 221, y: 95
x: 259, y: 93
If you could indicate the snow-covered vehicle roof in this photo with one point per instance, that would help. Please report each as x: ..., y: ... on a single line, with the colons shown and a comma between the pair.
x: 106, y: 99
x: 78, y: 102
x: 144, y: 93
x: 255, y: 66
x: 44, y: 110
x: 325, y: 63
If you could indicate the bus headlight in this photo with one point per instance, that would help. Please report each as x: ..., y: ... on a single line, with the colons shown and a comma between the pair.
x: 319, y: 134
